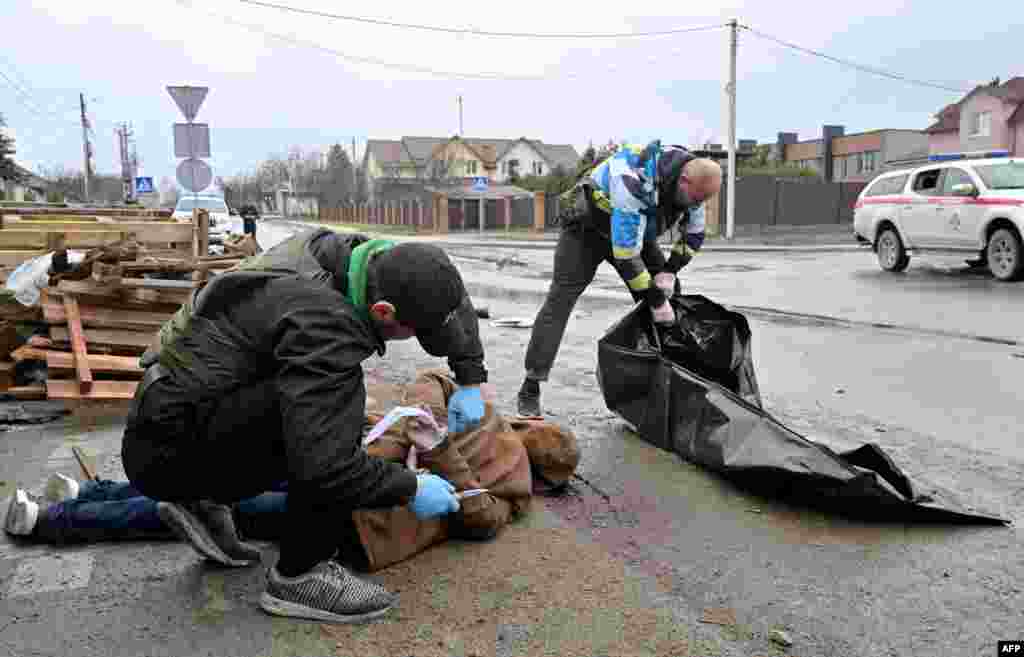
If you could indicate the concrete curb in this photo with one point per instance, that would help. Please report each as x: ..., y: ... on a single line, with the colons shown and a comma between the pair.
x: 533, y: 292
x: 550, y: 243
x: 708, y: 248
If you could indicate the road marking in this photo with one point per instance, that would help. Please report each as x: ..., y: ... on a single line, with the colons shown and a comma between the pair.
x: 44, y: 574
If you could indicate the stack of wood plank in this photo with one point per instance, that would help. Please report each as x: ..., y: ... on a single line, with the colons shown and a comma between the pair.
x: 29, y: 232
x: 103, y: 314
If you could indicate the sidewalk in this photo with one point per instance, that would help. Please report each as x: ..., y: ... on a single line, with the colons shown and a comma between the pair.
x: 808, y: 239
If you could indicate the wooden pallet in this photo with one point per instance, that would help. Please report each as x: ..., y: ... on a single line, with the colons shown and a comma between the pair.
x: 104, y: 314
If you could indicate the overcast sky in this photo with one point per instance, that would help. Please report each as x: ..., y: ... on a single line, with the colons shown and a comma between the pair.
x: 268, y: 93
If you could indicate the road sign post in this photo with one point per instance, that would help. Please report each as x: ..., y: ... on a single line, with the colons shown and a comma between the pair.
x: 191, y: 140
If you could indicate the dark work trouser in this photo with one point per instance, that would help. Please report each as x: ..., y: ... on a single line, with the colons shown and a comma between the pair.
x: 579, y: 252
x: 227, y: 450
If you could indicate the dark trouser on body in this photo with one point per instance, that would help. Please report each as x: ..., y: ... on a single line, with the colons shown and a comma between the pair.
x: 102, y: 511
x: 579, y: 252
x: 227, y: 450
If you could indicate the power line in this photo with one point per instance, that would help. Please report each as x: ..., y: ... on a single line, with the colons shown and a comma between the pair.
x: 859, y: 67
x: 408, y: 68
x: 21, y: 95
x: 26, y: 99
x: 467, y: 31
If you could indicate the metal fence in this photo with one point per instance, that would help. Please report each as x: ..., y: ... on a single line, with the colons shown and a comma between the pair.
x: 769, y: 201
x: 505, y: 213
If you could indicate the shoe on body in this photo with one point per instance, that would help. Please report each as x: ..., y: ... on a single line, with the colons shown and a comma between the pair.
x: 60, y: 487
x: 528, y: 399
x: 22, y: 514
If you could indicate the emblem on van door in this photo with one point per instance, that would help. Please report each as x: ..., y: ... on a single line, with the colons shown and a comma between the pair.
x: 954, y: 221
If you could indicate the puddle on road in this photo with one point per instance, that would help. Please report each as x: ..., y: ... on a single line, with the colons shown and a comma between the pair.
x: 732, y: 269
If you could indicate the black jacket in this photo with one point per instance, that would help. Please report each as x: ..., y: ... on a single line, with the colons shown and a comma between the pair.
x: 285, y: 316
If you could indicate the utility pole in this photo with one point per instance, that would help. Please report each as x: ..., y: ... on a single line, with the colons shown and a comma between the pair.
x: 86, y: 148
x: 730, y: 90
x: 127, y: 186
x: 134, y: 162
x: 460, y: 115
x: 355, y: 178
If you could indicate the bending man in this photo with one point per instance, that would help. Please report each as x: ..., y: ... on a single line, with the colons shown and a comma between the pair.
x: 620, y: 210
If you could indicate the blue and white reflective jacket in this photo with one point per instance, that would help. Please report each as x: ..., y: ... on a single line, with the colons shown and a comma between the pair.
x: 627, y: 186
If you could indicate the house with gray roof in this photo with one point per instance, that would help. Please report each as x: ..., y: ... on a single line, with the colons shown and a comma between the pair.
x: 455, y: 160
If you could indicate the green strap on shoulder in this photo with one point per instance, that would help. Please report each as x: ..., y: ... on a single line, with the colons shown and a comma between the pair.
x: 357, y: 271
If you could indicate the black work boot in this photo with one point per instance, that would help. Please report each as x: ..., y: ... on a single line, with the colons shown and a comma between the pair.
x: 529, y: 399
x: 210, y: 529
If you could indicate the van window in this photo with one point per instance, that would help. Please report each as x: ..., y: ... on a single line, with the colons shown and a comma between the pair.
x: 927, y: 182
x: 954, y: 177
x: 885, y: 186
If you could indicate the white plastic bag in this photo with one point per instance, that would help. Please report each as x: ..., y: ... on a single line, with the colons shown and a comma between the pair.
x: 33, y: 276
x: 430, y: 436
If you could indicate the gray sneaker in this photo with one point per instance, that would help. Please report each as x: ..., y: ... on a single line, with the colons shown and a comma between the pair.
x: 327, y: 593
x: 210, y: 529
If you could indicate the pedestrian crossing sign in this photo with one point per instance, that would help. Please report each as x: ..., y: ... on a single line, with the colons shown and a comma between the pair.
x: 144, y: 185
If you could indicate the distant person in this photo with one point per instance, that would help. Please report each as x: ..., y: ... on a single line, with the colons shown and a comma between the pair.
x: 250, y: 214
x: 619, y: 210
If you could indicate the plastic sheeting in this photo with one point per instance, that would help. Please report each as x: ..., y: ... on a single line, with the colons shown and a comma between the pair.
x: 692, y: 390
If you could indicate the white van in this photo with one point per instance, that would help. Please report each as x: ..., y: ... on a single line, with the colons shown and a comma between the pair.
x: 970, y: 203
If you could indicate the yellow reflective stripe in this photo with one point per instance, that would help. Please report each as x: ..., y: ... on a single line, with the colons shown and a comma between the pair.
x: 601, y: 201
x: 624, y: 253
x: 682, y: 248
x: 641, y: 282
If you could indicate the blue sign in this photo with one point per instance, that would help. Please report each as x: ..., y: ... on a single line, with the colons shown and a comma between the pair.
x: 144, y: 185
x: 480, y: 184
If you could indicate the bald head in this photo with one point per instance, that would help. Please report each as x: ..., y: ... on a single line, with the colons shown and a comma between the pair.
x: 701, y: 179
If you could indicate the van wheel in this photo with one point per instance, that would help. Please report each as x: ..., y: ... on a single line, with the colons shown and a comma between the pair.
x: 892, y: 256
x: 1004, y: 255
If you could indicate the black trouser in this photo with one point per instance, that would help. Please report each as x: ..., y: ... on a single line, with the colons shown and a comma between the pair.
x: 227, y: 450
x: 579, y: 252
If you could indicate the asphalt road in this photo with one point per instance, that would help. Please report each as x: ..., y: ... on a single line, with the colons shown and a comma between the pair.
x: 939, y: 348
x: 927, y: 364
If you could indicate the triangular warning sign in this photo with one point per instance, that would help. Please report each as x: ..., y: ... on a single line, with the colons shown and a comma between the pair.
x: 188, y: 99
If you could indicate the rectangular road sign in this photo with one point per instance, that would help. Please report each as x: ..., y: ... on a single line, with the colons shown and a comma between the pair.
x: 191, y: 140
x: 144, y: 185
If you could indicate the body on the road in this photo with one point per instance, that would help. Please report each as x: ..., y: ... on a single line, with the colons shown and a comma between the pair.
x: 258, y: 379
x: 618, y: 212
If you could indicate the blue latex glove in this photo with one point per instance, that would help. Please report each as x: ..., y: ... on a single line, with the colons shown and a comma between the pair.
x: 465, y: 409
x: 435, y: 497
